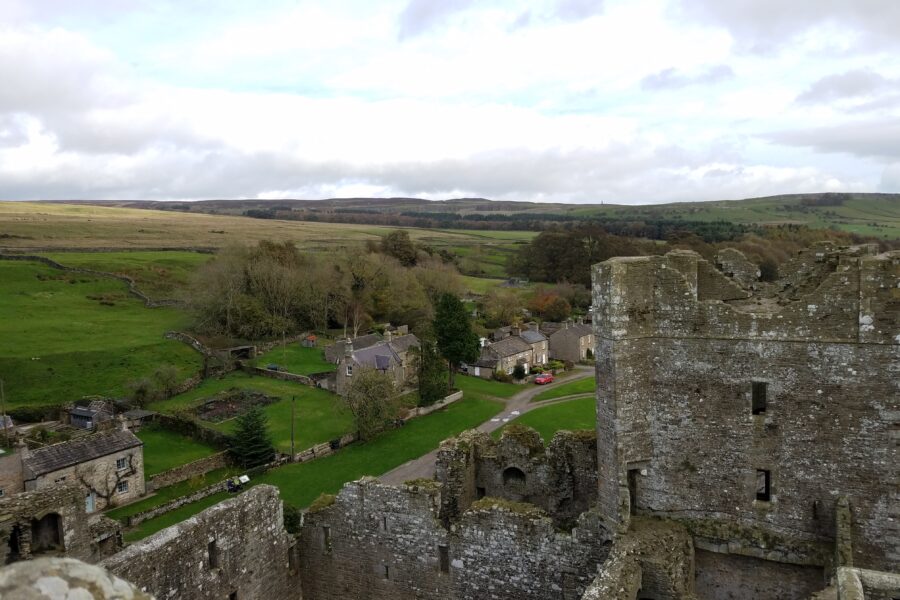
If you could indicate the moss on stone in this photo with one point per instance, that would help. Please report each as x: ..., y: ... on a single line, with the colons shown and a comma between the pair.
x: 322, y: 502
x: 524, y: 436
x: 424, y: 483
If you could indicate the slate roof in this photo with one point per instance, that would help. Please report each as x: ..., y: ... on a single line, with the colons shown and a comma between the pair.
x: 579, y: 330
x: 380, y: 357
x: 138, y: 413
x: 403, y: 343
x: 533, y: 337
x: 509, y: 346
x: 59, y: 456
x: 335, y: 352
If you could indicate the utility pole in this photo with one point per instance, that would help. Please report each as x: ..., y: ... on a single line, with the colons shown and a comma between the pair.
x: 293, y: 398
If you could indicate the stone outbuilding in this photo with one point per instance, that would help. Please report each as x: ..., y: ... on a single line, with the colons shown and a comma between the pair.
x: 573, y: 342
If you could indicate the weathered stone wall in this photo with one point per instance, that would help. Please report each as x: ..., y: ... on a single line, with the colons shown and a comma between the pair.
x: 732, y: 263
x: 191, y: 469
x: 280, y: 375
x: 654, y: 559
x: 238, y: 546
x: 731, y: 576
x: 20, y: 518
x: 378, y: 541
x: 561, y: 479
x: 675, y: 419
x: 11, y: 473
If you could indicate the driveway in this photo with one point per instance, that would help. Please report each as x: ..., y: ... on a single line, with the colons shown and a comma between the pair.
x: 516, y: 405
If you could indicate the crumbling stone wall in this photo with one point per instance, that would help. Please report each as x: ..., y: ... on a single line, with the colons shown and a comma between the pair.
x: 58, y: 512
x: 237, y: 547
x: 732, y: 263
x: 184, y: 472
x: 677, y: 358
x: 378, y: 541
x: 730, y: 576
x: 561, y: 479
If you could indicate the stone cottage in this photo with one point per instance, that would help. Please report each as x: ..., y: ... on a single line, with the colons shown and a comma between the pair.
x: 527, y: 347
x: 573, y: 342
x: 391, y: 356
x: 108, y: 466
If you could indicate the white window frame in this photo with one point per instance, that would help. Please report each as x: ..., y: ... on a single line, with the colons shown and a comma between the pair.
x: 349, y: 371
x: 122, y: 487
x: 122, y: 463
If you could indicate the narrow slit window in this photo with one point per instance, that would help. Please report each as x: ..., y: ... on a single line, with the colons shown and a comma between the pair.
x: 326, y: 539
x: 444, y: 555
x: 213, y: 555
x: 759, y: 392
x: 384, y: 523
x: 386, y: 571
x: 763, y: 485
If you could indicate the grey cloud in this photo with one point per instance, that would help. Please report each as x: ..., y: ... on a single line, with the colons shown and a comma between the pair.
x: 420, y: 16
x: 852, y: 84
x: 673, y: 79
x: 576, y: 10
x: 864, y: 139
x: 890, y: 179
x: 765, y: 25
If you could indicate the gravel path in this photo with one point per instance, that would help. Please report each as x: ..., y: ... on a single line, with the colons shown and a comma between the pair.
x: 516, y: 405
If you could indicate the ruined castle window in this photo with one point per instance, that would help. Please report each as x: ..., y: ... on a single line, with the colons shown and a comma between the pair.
x: 513, y: 476
x: 46, y: 533
x: 326, y: 539
x: 292, y: 558
x: 759, y: 397
x: 384, y: 523
x: 444, y: 555
x: 212, y: 552
x: 386, y: 571
x: 632, y: 489
x: 232, y: 596
x: 480, y: 493
x: 763, y: 485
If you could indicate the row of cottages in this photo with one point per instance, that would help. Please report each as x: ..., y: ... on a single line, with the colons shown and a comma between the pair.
x: 109, y: 467
x: 390, y: 355
x: 511, y: 346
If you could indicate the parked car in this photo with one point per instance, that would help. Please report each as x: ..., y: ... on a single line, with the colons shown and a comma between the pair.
x: 544, y: 378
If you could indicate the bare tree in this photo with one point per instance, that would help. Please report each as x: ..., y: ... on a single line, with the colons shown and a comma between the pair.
x: 103, y: 478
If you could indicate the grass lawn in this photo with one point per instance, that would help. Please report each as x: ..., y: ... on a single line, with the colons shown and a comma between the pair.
x: 320, y: 415
x: 157, y: 274
x: 297, y: 359
x: 58, y: 343
x: 163, y: 495
x: 547, y: 420
x: 300, y: 484
x: 579, y: 386
x: 486, y: 387
x: 480, y: 285
x: 164, y: 449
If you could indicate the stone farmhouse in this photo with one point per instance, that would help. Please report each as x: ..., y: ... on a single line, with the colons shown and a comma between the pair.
x: 745, y: 448
x: 511, y: 346
x: 391, y: 356
x: 573, y: 342
x: 108, y: 467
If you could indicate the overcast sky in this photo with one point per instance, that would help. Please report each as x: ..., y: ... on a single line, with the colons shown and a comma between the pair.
x: 627, y: 101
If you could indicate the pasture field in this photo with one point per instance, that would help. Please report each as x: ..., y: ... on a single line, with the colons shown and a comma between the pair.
x: 319, y: 415
x: 296, y: 359
x: 572, y: 415
x: 579, y: 386
x: 163, y: 495
x: 160, y: 275
x: 67, y: 335
x: 164, y: 449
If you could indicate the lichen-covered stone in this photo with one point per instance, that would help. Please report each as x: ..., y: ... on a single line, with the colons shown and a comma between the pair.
x: 64, y: 578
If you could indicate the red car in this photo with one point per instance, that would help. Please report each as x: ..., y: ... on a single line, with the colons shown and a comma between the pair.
x: 544, y: 378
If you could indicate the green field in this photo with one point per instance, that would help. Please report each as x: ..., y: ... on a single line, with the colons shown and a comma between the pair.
x: 166, y: 494
x: 296, y: 359
x: 301, y: 483
x: 64, y: 336
x: 547, y: 420
x: 319, y: 415
x: 164, y: 449
x: 579, y: 386
x: 486, y: 387
x: 157, y: 274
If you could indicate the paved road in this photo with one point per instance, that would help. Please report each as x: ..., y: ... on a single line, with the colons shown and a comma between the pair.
x: 515, y: 406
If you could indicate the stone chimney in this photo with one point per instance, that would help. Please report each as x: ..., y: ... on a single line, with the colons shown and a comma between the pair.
x: 388, y: 336
x: 122, y: 421
x: 566, y: 323
x: 402, y: 329
x: 532, y: 326
x: 348, y: 348
x: 515, y: 330
x: 22, y: 448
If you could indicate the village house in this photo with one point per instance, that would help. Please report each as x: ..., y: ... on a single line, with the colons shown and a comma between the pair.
x: 109, y: 467
x: 573, y: 342
x: 391, y: 356
x: 334, y: 353
x: 528, y: 347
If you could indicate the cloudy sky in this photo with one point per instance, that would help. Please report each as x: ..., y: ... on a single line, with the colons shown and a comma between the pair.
x: 627, y: 101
